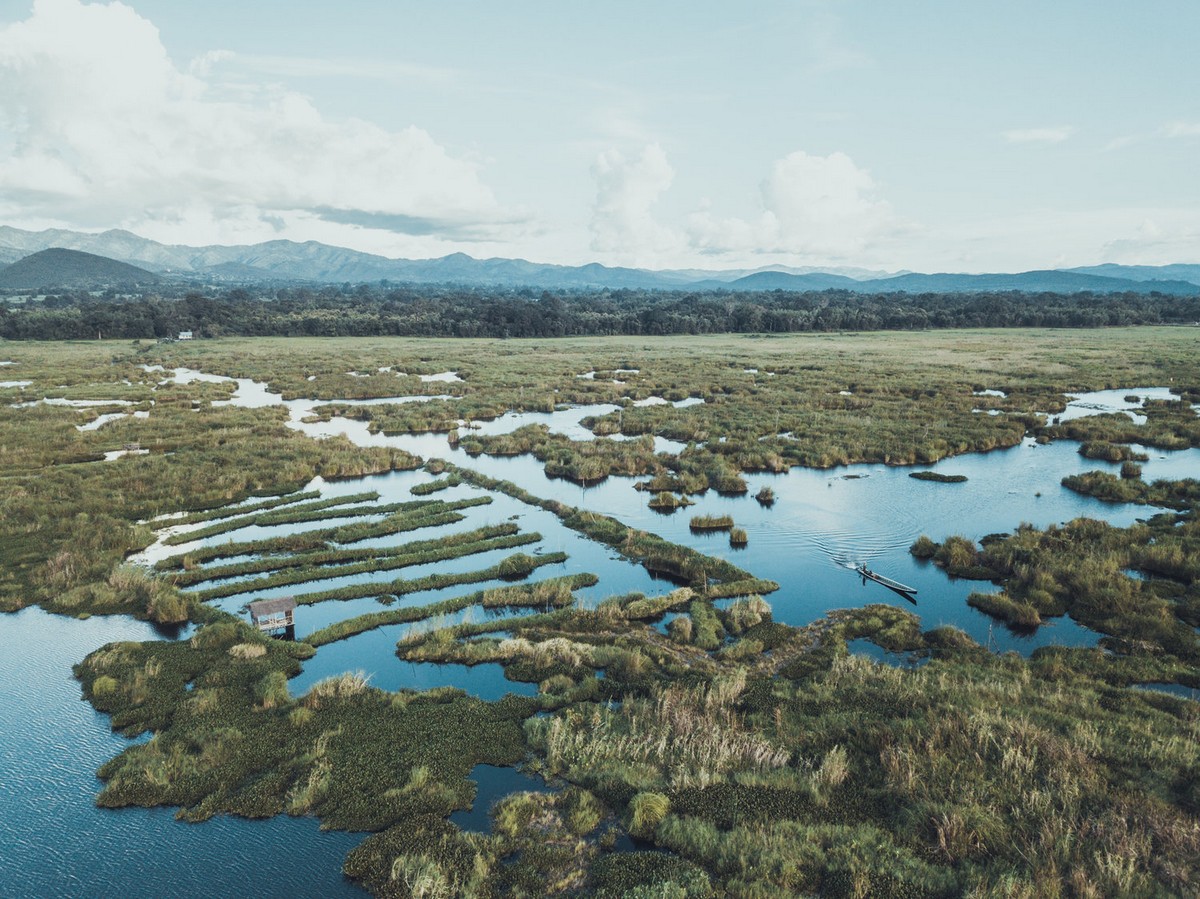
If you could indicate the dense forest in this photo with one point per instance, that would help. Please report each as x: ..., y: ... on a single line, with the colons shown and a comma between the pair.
x: 383, y: 310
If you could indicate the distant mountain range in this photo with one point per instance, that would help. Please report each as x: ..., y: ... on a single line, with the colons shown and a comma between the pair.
x: 283, y: 261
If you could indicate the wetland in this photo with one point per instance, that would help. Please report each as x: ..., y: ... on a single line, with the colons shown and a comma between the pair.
x: 518, y: 668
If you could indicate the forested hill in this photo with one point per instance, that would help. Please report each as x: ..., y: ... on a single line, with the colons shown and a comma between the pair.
x: 446, y: 312
x: 61, y: 268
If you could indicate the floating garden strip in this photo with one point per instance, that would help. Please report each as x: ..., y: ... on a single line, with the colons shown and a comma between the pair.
x: 444, y: 513
x: 227, y: 511
x: 656, y: 554
x: 711, y: 522
x: 435, y: 486
x: 339, y: 556
x: 354, y: 533
x: 390, y: 563
x: 522, y: 596
x: 316, y: 511
x: 401, y: 586
x: 938, y: 477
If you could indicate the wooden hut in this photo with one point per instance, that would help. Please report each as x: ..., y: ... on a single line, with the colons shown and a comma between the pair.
x: 273, y: 614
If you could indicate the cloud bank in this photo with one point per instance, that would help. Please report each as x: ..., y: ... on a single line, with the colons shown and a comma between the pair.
x: 811, y: 207
x: 98, y: 126
x: 623, y: 220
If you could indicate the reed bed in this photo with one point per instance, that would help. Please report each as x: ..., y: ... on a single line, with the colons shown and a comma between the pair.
x: 433, y: 514
x: 310, y: 560
x: 700, y: 523
x: 553, y: 593
x: 320, y: 510
x: 388, y: 591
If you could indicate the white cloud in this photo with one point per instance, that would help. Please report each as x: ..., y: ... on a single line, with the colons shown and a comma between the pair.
x: 1182, y: 129
x: 1163, y: 237
x: 623, y: 220
x: 1054, y: 135
x: 813, y: 206
x: 99, y: 127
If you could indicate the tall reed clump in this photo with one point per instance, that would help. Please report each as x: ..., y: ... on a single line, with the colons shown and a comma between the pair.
x: 711, y: 522
x: 678, y: 737
x: 664, y: 501
x: 158, y: 600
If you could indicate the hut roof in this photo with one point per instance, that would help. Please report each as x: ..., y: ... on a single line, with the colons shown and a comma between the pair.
x: 272, y: 606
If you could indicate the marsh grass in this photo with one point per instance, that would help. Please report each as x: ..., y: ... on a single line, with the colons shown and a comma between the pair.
x: 460, y: 546
x: 435, y: 486
x: 400, y: 586
x: 249, y: 508
x: 553, y: 593
x: 668, y: 502
x: 711, y: 522
x: 938, y: 477
x: 425, y: 515
x: 678, y: 737
x: 196, y: 575
x: 1129, y: 489
x: 318, y: 510
x: 717, y: 577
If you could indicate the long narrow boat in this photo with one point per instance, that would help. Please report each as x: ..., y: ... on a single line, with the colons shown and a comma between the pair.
x: 867, y: 573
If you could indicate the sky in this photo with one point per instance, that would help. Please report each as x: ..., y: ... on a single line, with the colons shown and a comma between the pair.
x: 928, y: 136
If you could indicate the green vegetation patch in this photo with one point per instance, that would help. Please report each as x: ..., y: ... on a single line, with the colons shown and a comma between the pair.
x: 236, y: 742
x: 427, y: 515
x: 938, y: 477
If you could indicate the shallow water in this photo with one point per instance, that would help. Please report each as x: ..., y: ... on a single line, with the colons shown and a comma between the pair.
x: 1103, y: 402
x: 374, y: 653
x: 58, y: 843
x: 1178, y: 690
x: 823, y: 523
x: 877, y: 653
x: 493, y: 783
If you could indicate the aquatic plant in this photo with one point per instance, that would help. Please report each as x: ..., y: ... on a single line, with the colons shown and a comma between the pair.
x: 711, y: 522
x: 938, y: 477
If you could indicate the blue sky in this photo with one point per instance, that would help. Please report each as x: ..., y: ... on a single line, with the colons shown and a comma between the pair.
x: 961, y: 136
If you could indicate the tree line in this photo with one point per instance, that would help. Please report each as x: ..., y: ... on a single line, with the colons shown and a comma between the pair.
x: 441, y: 311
